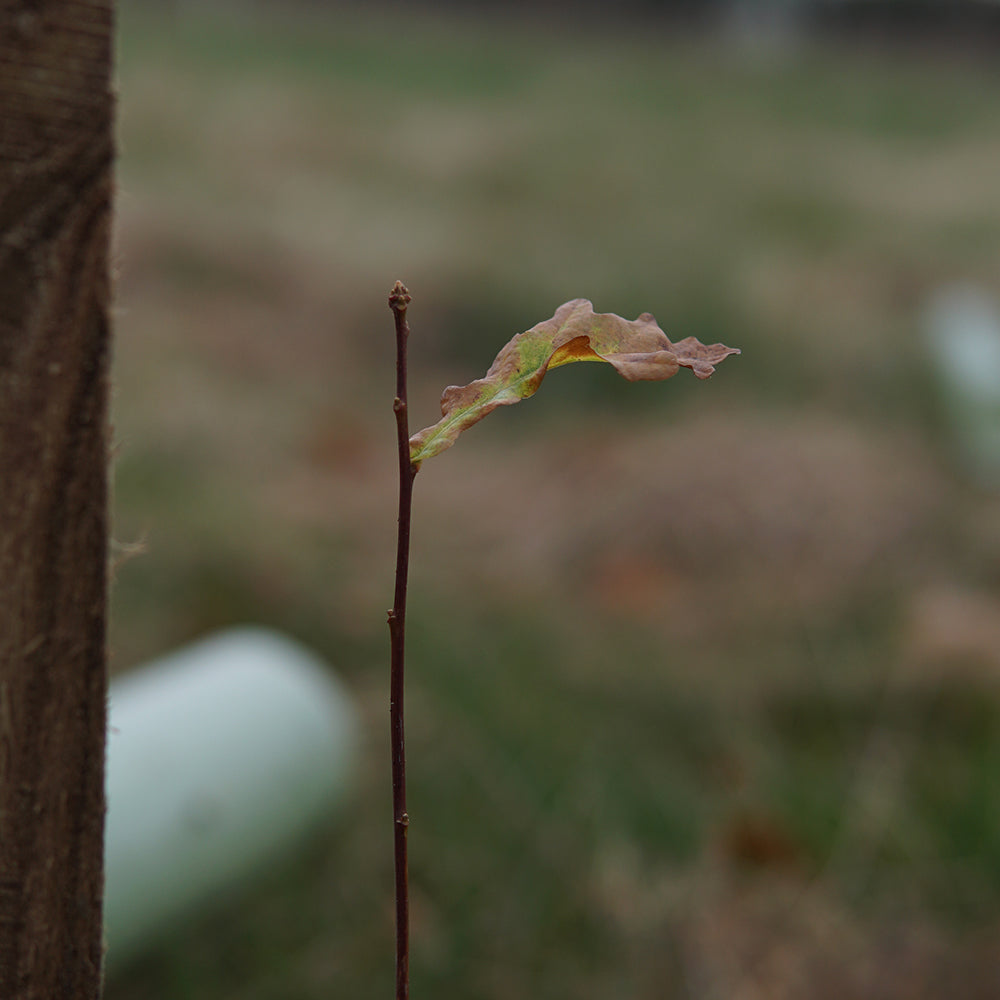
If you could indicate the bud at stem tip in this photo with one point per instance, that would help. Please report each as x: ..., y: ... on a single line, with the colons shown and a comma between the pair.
x: 399, y: 297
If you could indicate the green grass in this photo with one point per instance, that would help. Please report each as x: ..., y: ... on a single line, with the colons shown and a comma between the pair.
x: 676, y: 706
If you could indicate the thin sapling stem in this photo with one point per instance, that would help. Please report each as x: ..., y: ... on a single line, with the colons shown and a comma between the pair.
x: 399, y: 299
x: 638, y: 349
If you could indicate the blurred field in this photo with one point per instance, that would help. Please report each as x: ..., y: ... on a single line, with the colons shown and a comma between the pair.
x: 703, y: 694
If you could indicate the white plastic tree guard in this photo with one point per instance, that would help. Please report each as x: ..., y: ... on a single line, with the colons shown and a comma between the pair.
x: 220, y: 756
x: 962, y: 332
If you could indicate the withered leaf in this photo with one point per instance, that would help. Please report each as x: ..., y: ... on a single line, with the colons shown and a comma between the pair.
x: 638, y: 349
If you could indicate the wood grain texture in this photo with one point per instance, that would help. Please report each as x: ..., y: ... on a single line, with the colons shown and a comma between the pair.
x: 56, y: 154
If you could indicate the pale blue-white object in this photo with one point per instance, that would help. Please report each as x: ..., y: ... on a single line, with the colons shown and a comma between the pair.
x: 962, y: 331
x: 221, y: 756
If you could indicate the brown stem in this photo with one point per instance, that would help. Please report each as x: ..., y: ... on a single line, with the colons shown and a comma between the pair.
x: 399, y: 299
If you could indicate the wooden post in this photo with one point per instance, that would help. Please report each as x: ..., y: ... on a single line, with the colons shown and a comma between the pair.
x: 56, y: 154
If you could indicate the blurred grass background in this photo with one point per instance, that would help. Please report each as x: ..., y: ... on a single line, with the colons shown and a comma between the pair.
x: 703, y: 677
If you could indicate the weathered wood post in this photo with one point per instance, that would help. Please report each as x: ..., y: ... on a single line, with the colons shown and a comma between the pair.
x: 56, y: 155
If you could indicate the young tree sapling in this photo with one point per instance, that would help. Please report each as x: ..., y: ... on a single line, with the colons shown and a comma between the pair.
x: 638, y: 350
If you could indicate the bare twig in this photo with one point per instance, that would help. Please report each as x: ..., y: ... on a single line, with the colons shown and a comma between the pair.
x: 399, y: 299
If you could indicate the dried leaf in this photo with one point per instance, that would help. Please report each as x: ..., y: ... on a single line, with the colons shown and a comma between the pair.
x: 638, y: 349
